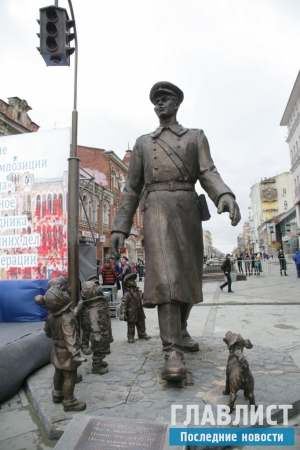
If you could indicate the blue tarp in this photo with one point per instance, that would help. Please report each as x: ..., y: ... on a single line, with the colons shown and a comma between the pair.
x: 17, y: 300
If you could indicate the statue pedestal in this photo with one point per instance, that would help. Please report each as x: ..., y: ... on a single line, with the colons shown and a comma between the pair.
x: 133, y: 388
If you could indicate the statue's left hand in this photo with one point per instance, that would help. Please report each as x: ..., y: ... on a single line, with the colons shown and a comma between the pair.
x: 228, y: 204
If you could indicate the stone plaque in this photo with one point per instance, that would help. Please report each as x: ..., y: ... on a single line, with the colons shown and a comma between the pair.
x: 111, y: 434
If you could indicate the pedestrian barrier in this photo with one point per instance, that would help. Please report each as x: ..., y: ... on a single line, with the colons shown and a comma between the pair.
x: 268, y: 267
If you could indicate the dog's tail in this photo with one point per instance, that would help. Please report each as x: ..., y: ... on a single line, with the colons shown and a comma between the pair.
x: 242, y: 360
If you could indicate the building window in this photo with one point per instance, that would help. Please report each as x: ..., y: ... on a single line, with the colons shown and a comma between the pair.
x: 38, y: 205
x: 44, y: 205
x: 285, y: 204
x: 105, y: 213
x: 84, y: 207
x: 60, y: 203
x: 284, y: 191
x: 55, y: 204
x: 49, y: 204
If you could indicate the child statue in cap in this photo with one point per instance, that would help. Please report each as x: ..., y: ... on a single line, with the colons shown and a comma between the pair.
x: 96, y: 312
x: 62, y: 327
x: 132, y: 310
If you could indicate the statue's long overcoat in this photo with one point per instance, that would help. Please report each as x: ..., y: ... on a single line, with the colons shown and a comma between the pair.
x: 172, y: 224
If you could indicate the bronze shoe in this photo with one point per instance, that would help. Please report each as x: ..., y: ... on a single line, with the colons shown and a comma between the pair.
x: 144, y: 336
x: 86, y: 350
x: 73, y: 405
x: 174, y: 369
x: 188, y: 343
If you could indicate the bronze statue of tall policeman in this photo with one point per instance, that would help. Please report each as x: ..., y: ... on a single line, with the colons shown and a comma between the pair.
x: 166, y: 164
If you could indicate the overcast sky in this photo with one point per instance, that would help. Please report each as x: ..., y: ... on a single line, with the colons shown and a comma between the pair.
x: 235, y: 60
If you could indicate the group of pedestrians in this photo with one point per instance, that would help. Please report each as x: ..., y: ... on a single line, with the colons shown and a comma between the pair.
x: 252, y: 262
x: 114, y: 272
x: 253, y: 266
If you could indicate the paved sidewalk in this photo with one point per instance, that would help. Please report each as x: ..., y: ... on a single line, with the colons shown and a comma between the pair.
x: 263, y: 308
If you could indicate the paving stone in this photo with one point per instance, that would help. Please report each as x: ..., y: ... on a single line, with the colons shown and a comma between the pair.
x: 140, y: 393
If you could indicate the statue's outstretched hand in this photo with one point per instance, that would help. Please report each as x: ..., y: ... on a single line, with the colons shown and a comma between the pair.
x: 228, y: 204
x: 117, y: 241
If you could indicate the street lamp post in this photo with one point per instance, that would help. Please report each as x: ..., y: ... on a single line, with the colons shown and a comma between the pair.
x: 54, y: 48
x: 287, y: 230
x: 73, y: 190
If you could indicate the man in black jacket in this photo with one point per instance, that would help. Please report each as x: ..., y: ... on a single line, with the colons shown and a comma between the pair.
x: 226, y: 267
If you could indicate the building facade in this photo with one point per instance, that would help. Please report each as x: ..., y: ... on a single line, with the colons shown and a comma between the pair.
x: 14, y: 118
x: 207, y: 245
x: 291, y: 119
x: 109, y: 173
x: 269, y: 198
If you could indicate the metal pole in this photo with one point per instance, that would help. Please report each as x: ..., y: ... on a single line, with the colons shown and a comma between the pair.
x: 73, y: 190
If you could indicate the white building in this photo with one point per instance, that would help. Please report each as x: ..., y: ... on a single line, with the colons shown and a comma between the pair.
x: 291, y: 119
x: 207, y: 244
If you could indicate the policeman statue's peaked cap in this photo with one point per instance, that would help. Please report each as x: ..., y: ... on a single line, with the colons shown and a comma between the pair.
x: 165, y: 87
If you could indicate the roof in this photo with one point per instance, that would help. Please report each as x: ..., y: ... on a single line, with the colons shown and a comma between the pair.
x: 291, y: 102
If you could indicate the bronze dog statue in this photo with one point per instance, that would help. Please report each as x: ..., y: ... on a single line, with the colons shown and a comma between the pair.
x: 238, y: 373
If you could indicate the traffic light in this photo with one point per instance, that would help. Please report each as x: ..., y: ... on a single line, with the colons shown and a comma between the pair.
x: 55, y: 36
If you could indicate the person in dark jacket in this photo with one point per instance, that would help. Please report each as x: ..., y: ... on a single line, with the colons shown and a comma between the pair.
x: 296, y: 258
x: 132, y: 310
x: 240, y: 263
x: 282, y: 262
x: 226, y: 267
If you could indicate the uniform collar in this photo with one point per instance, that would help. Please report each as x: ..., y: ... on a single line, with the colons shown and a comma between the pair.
x: 175, y: 128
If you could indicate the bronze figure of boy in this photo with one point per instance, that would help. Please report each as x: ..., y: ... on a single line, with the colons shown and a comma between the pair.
x: 61, y: 326
x: 132, y: 310
x: 166, y: 164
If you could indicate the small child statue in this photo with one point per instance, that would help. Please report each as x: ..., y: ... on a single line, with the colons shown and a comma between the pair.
x: 95, y: 307
x: 62, y: 327
x: 132, y: 310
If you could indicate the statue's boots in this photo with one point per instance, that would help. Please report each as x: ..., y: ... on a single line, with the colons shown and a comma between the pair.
x: 78, y: 378
x: 99, y: 370
x: 57, y: 396
x: 73, y: 405
x: 86, y: 350
x: 188, y: 343
x: 144, y: 336
x: 99, y: 366
x: 174, y: 369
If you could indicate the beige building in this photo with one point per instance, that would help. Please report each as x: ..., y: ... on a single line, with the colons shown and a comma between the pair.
x: 269, y: 198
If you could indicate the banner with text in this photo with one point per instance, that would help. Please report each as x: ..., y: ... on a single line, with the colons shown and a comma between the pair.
x: 33, y: 204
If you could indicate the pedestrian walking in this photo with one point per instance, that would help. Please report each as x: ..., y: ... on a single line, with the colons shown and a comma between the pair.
x: 282, y: 262
x: 109, y: 273
x: 256, y: 266
x: 247, y: 264
x: 126, y: 270
x: 240, y: 263
x: 226, y: 267
x: 296, y: 258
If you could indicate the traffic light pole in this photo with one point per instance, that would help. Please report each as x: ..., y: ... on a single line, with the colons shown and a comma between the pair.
x: 73, y: 189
